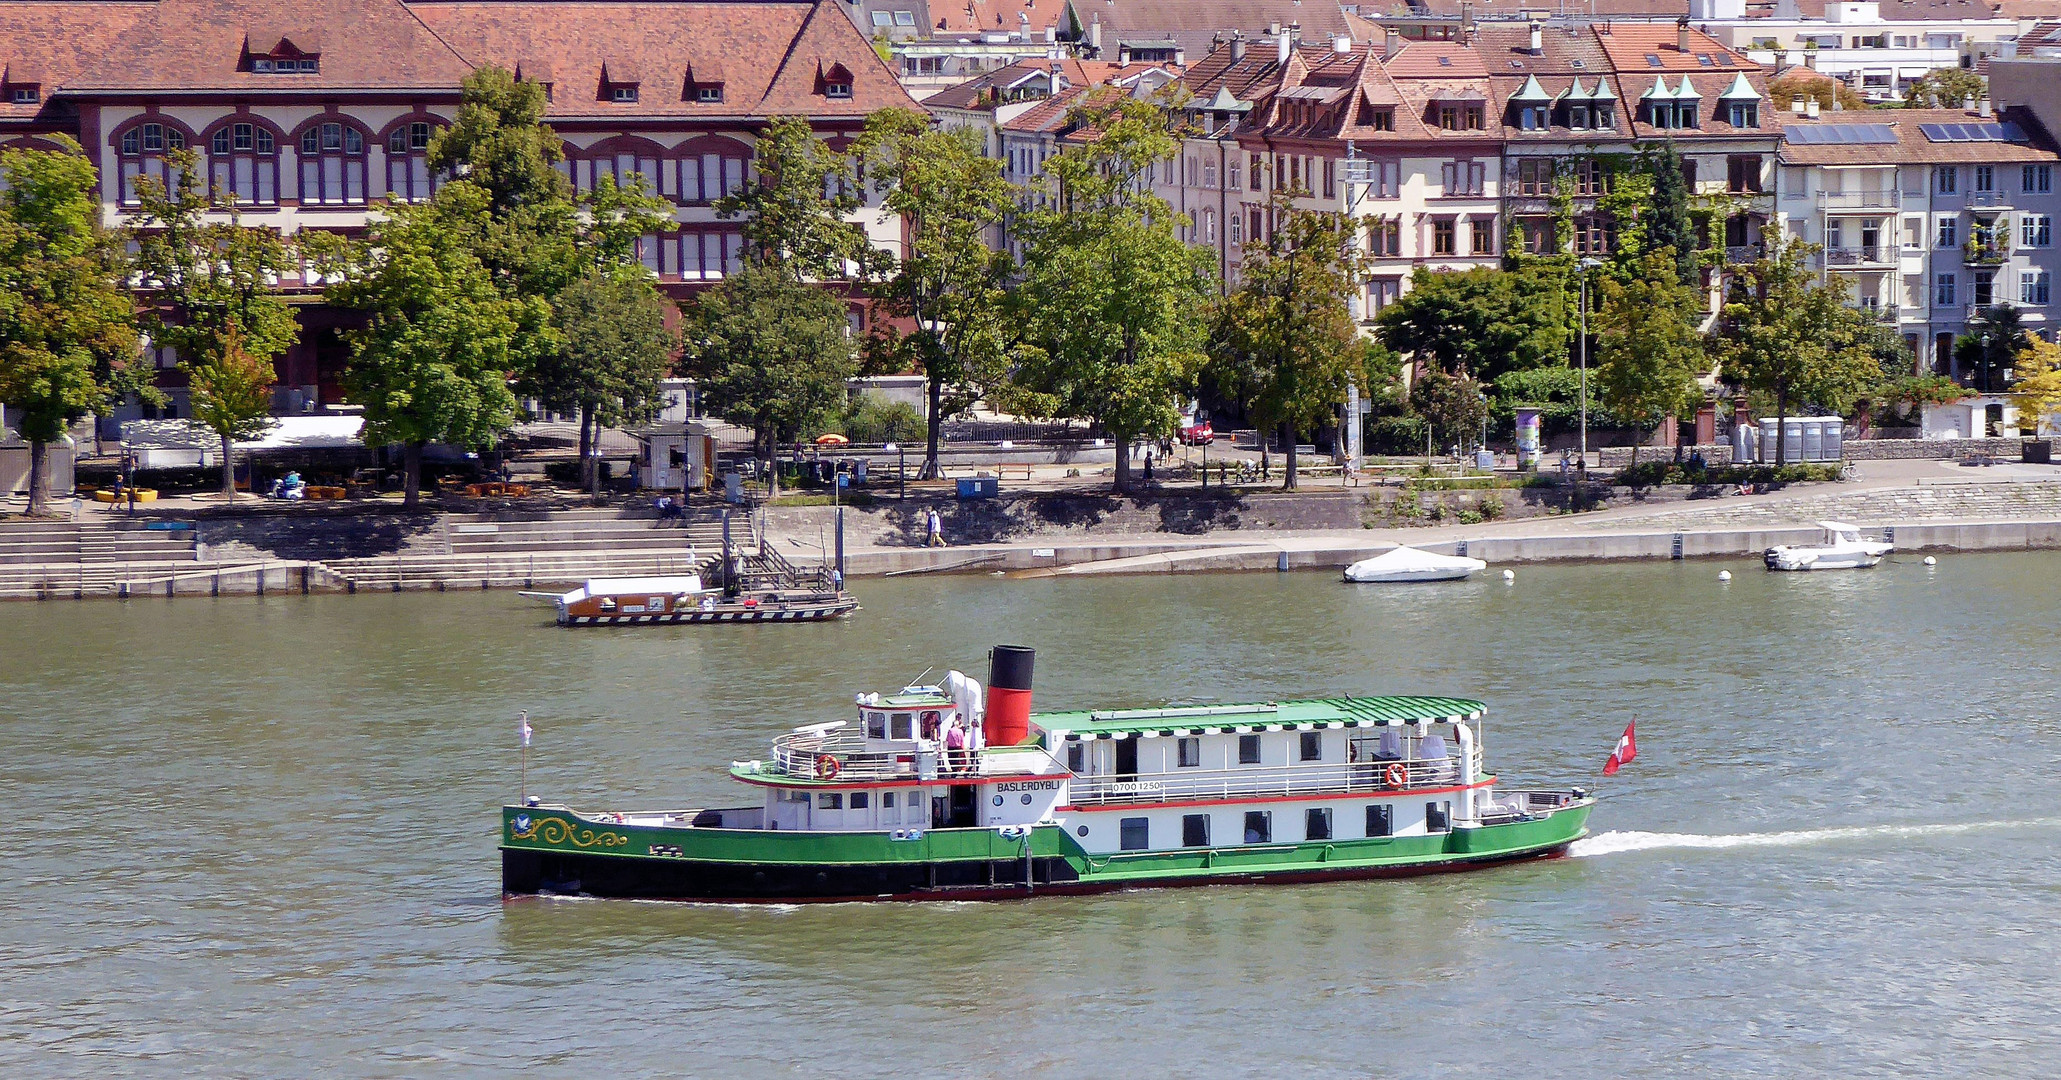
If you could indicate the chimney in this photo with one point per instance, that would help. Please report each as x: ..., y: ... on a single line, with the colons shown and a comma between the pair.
x: 1007, y: 722
x: 1281, y: 47
x: 1682, y: 35
x: 1237, y: 46
x: 1095, y: 38
x: 1341, y: 44
x: 1810, y: 108
x: 1393, y: 44
x: 1810, y: 59
x: 1538, y: 41
x: 1985, y: 109
x: 1796, y: 106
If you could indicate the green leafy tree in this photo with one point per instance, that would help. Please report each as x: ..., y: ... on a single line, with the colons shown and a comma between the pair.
x: 796, y: 219
x: 432, y: 364
x: 1786, y: 334
x: 1668, y: 223
x: 769, y: 352
x: 1111, y: 300
x: 2037, y: 390
x: 949, y: 286
x: 1454, y: 406
x: 1946, y: 88
x: 1808, y: 85
x: 1284, y: 341
x: 614, y: 350
x: 213, y: 300
x: 1992, y: 344
x: 1648, y: 353
x: 1482, y: 321
x: 67, y: 320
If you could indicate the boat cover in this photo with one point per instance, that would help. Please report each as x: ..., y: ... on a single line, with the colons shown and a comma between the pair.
x: 1407, y: 561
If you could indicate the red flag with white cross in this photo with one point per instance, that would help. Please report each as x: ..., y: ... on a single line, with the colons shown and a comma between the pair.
x: 1627, y: 749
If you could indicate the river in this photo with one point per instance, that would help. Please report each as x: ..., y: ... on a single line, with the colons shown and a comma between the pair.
x: 255, y: 837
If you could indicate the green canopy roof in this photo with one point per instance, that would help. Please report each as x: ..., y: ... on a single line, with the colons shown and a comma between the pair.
x: 1531, y: 91
x: 1305, y: 715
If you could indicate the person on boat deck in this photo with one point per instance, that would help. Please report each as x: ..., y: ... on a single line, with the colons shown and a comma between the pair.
x: 955, y: 747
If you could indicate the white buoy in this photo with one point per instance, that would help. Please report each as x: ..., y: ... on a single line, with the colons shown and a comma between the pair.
x: 1509, y: 575
x: 1724, y: 575
x: 1930, y: 561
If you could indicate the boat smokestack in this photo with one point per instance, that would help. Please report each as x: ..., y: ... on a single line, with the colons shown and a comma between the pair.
x: 1009, y: 695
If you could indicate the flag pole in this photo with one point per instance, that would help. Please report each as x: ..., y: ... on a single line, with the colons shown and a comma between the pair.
x: 525, y: 757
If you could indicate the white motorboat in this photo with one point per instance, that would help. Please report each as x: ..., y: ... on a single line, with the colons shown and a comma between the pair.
x: 1843, y: 549
x: 1410, y: 564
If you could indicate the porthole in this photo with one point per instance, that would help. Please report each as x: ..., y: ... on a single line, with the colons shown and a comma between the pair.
x: 1026, y: 798
x: 998, y: 800
x: 1082, y: 831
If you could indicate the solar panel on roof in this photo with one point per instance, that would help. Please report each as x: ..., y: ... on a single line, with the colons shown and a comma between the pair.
x: 1972, y: 132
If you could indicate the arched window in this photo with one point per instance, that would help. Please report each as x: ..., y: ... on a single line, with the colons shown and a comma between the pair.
x: 620, y: 159
x: 243, y: 163
x: 143, y: 148
x: 408, y: 178
x: 332, y: 164
x: 710, y: 168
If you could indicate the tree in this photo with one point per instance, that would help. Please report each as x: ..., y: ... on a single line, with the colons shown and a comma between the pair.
x: 614, y: 350
x: 795, y: 219
x: 950, y: 284
x: 1668, y: 225
x: 1453, y: 405
x: 1110, y: 298
x: 67, y: 321
x: 1483, y: 321
x: 1992, y: 344
x: 1946, y: 88
x: 1804, y: 83
x: 1784, y: 333
x: 1648, y: 353
x: 2037, y: 392
x: 432, y: 364
x: 1284, y: 342
x: 768, y: 351
x: 212, y: 292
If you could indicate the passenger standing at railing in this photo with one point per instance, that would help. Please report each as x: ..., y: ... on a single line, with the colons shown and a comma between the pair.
x: 955, y: 747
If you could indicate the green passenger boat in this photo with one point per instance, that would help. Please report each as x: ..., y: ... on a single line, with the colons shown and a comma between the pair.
x: 943, y: 792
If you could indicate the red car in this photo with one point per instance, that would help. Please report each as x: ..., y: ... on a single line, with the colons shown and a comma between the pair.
x: 1197, y: 434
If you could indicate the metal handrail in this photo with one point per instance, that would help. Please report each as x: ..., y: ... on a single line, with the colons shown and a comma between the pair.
x: 1329, y: 778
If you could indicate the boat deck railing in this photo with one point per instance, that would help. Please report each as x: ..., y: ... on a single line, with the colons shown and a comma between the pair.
x: 847, y: 756
x: 1372, y: 777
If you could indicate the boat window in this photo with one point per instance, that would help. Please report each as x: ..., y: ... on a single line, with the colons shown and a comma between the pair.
x: 1316, y: 823
x: 876, y: 725
x: 887, y: 800
x: 860, y: 799
x: 1313, y: 746
x: 830, y: 800
x: 1077, y: 757
x: 1437, y: 816
x: 1259, y: 826
x: 1248, y: 749
x: 1136, y: 834
x: 932, y: 724
x: 1195, y: 830
x: 1190, y: 752
x: 904, y: 726
x: 1380, y: 820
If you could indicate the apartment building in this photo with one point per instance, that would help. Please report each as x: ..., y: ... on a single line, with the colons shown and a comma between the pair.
x: 1931, y: 217
x: 1878, y: 49
x: 315, y: 115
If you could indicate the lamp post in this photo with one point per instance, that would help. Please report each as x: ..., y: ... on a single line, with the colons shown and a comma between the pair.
x: 1582, y: 347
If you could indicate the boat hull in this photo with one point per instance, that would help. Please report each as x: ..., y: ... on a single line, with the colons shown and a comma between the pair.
x: 1793, y: 559
x: 781, y: 611
x: 550, y: 852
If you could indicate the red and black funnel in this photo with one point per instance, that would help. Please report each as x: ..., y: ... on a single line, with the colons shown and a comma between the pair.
x: 1009, y: 695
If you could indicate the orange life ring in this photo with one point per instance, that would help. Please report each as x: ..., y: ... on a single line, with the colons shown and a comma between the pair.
x: 826, y: 767
x: 1398, y: 775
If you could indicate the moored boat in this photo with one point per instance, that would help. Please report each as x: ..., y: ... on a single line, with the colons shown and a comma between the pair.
x: 1843, y: 549
x: 941, y: 791
x: 1406, y: 564
x: 681, y: 598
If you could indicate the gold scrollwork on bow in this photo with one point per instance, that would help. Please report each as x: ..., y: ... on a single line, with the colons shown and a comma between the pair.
x: 559, y: 831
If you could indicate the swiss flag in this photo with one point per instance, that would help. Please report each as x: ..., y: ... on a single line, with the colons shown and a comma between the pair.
x: 1627, y: 749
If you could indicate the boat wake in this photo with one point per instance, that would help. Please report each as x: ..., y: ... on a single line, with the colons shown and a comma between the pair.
x: 1614, y: 843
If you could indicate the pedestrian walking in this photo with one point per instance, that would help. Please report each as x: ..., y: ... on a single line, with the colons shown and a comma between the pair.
x: 934, y: 526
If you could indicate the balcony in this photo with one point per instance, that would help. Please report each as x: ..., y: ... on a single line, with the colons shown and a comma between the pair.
x: 1740, y: 254
x: 1985, y: 252
x: 1988, y: 199
x: 1859, y: 200
x: 1851, y: 257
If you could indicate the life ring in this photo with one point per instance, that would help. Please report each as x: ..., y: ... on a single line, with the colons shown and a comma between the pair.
x: 826, y: 767
x: 1398, y: 775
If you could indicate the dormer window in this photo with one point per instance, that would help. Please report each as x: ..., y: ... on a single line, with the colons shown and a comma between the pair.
x: 837, y: 89
x: 1745, y: 114
x: 24, y: 95
x: 705, y: 83
x: 1533, y: 118
x: 708, y: 95
x: 835, y: 80
x: 277, y: 54
x: 622, y: 93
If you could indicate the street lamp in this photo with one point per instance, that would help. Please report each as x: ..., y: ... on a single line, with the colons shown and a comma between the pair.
x: 1582, y: 346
